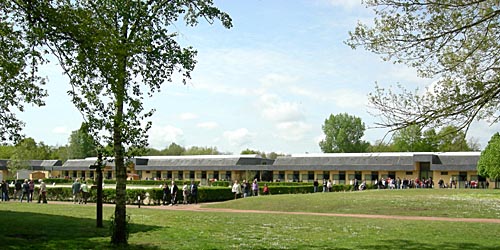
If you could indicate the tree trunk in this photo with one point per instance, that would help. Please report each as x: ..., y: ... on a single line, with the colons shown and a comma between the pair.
x: 120, y: 233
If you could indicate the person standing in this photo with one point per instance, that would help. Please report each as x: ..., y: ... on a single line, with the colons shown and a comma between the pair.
x: 316, y: 185
x: 18, y: 189
x: 166, y: 192
x: 194, y: 192
x: 185, y: 193
x: 76, y: 190
x: 42, y: 196
x: 255, y: 188
x: 173, y: 193
x: 31, y: 190
x: 245, y: 188
x: 85, y: 192
x: 5, y: 191
x: 236, y: 189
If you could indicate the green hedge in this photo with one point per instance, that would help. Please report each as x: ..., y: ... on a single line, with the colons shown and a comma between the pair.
x: 154, y: 195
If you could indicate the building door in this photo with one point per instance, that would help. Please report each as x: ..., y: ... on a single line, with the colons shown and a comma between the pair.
x: 425, y: 170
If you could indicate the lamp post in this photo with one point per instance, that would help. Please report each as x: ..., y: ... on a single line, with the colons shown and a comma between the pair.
x: 98, y: 169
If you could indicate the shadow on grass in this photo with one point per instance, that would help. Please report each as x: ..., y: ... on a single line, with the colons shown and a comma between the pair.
x: 25, y: 230
x: 423, y: 244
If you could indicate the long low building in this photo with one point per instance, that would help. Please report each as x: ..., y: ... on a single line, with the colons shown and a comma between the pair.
x: 340, y: 168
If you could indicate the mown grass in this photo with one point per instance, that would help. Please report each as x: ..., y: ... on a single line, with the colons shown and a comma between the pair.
x: 454, y: 203
x: 69, y: 226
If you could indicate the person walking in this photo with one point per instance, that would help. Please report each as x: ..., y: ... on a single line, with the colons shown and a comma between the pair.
x: 31, y: 183
x: 42, y: 196
x: 84, y: 188
x: 26, y: 190
x: 75, y: 188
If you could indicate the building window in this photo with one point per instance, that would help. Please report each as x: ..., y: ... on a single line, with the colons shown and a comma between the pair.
x: 169, y: 175
x: 357, y: 175
x: 296, y: 176
x: 310, y: 175
x: 444, y: 173
x: 392, y: 175
x: 109, y: 175
x: 228, y: 175
x: 216, y: 175
x: 91, y: 174
x: 341, y: 177
x: 281, y: 175
x: 203, y: 174
x: 180, y: 175
x: 409, y: 173
x: 158, y: 175
x: 191, y: 175
x: 374, y: 175
x: 75, y: 174
x: 326, y: 175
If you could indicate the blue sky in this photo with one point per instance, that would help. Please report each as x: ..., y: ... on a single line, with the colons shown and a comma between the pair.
x: 266, y: 84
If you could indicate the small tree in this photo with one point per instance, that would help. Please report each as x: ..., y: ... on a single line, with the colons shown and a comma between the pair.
x: 489, y: 162
x: 343, y: 134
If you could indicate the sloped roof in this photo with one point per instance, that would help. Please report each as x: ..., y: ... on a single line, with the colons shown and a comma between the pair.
x: 199, y: 160
x: 458, y: 161
x: 347, y: 159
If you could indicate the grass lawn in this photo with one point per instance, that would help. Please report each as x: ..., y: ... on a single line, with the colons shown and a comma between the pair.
x: 69, y: 226
x: 454, y: 203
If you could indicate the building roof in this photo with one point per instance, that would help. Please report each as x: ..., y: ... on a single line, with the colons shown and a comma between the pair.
x: 405, y: 161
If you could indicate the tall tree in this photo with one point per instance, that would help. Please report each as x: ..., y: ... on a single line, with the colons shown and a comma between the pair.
x: 81, y: 144
x: 450, y: 140
x: 195, y: 150
x: 343, y: 134
x: 25, y: 150
x: 173, y: 149
x: 20, y: 83
x: 489, y: 162
x: 413, y: 139
x: 6, y: 151
x: 113, y: 52
x: 454, y: 41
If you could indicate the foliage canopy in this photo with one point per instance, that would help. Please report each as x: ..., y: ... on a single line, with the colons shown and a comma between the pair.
x: 453, y: 41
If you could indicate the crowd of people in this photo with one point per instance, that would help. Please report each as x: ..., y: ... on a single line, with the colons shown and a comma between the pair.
x: 189, y: 193
x: 24, y: 190
x: 247, y: 189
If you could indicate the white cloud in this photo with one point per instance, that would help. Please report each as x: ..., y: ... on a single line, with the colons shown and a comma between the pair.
x: 346, y: 4
x: 62, y: 130
x: 207, y: 125
x: 274, y: 79
x: 162, y: 136
x: 188, y: 116
x: 343, y: 98
x: 292, y: 131
x: 275, y: 109
x: 239, y: 137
